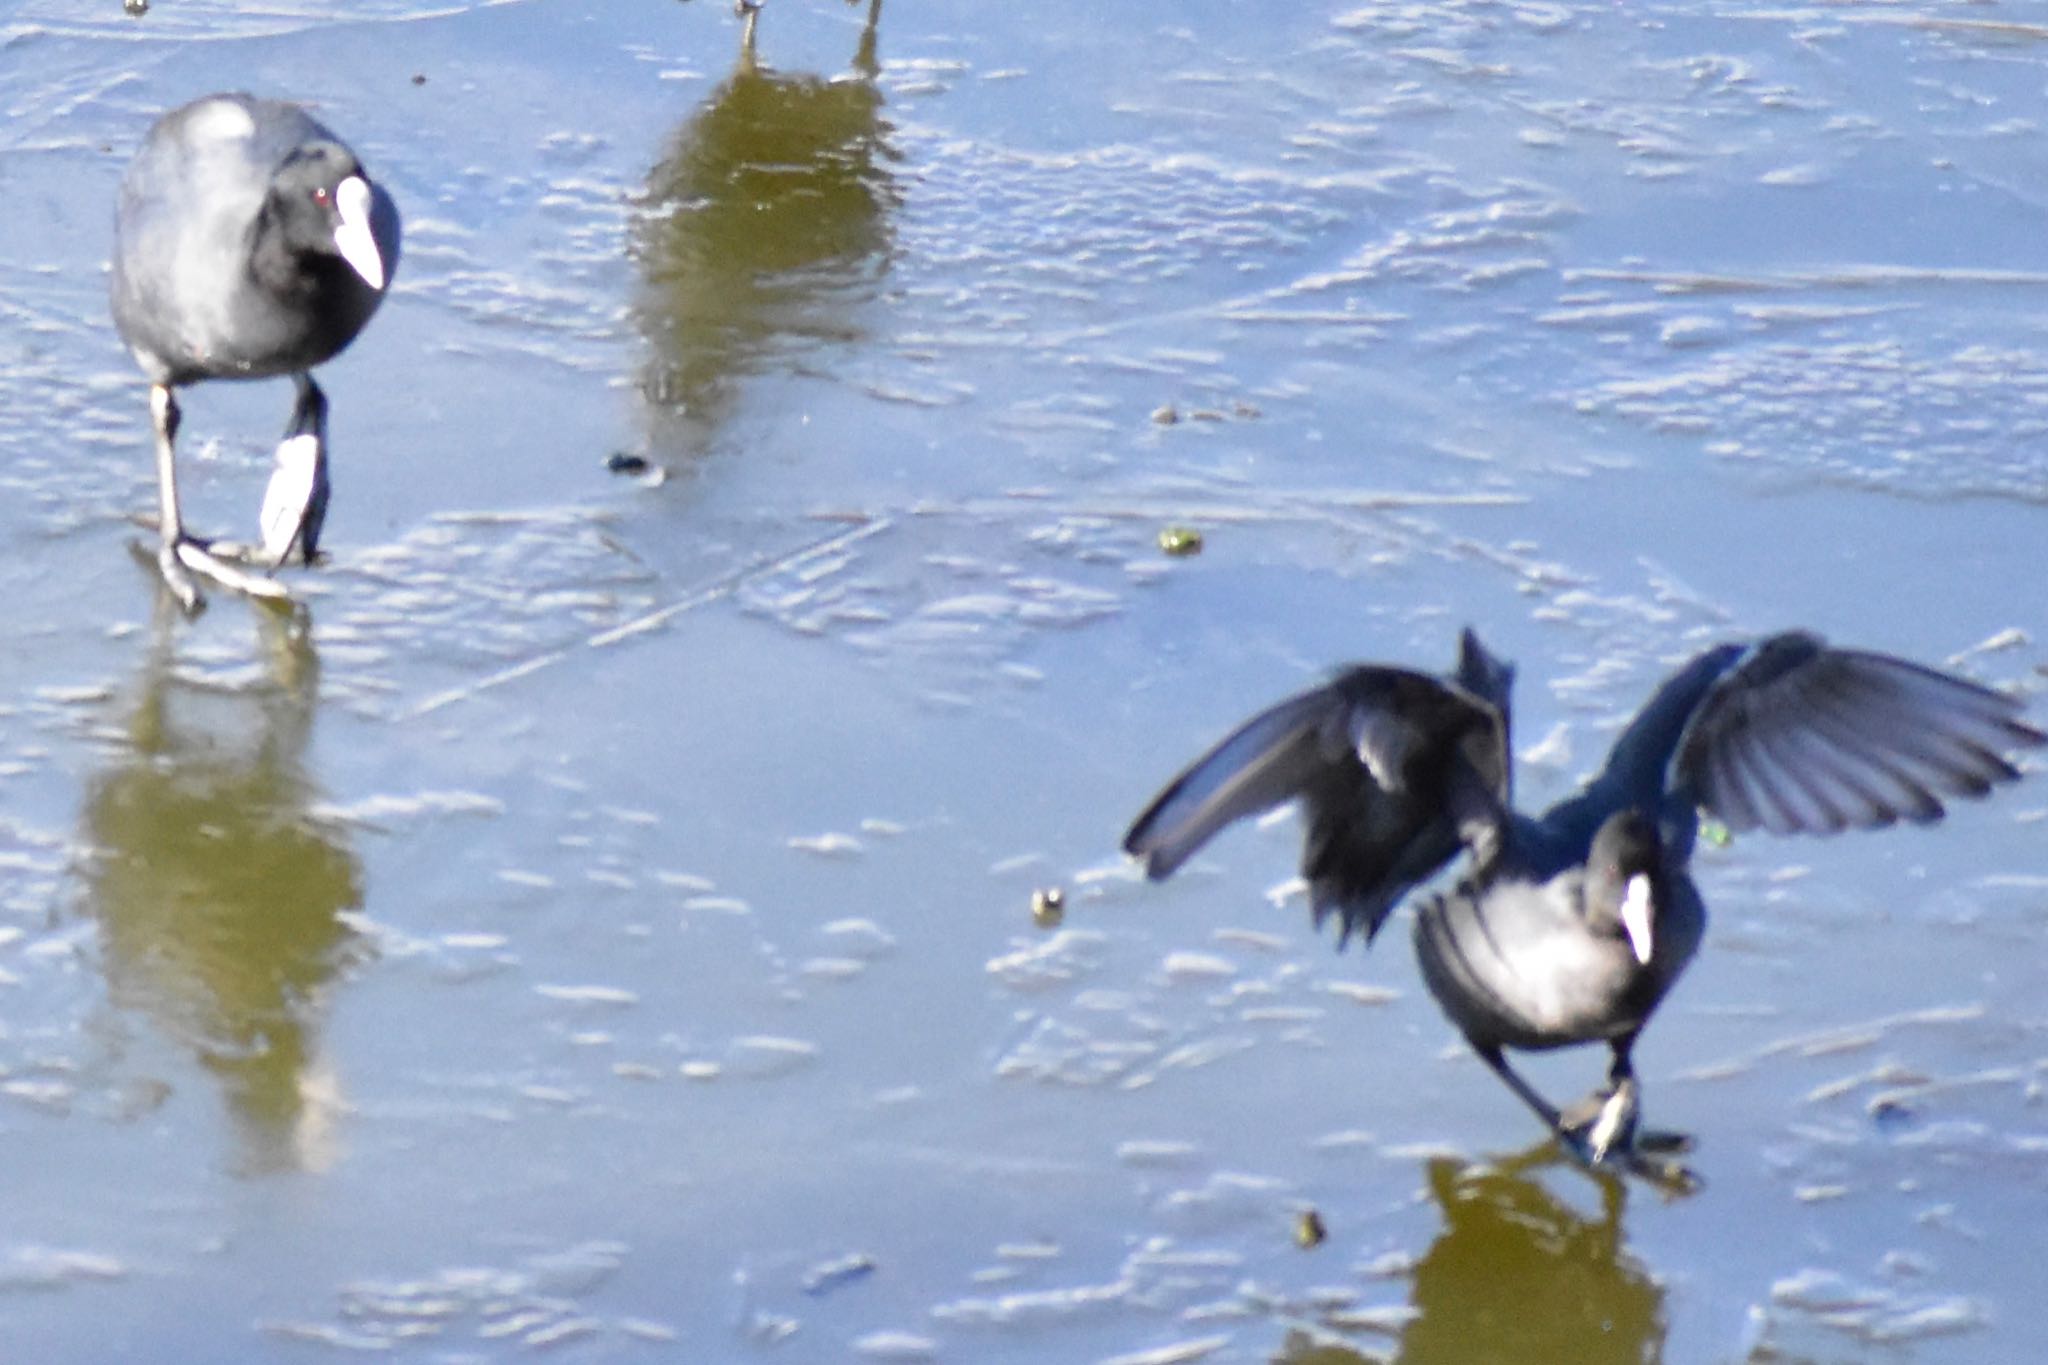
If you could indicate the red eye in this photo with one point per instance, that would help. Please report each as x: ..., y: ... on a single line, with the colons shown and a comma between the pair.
x: 321, y: 196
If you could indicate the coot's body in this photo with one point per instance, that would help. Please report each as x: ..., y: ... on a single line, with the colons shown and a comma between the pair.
x: 249, y: 242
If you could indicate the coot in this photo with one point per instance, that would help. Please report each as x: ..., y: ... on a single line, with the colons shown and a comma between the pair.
x: 1570, y: 927
x: 249, y: 242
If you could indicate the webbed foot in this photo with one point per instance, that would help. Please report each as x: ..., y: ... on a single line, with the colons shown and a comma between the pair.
x: 1603, y: 1130
x: 176, y: 561
x: 1579, y: 1120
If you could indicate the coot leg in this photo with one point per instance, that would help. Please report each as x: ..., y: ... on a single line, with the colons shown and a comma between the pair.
x: 163, y: 412
x: 1545, y: 1110
x: 177, y: 552
x: 1606, y: 1118
x: 1606, y: 1139
x: 295, y: 503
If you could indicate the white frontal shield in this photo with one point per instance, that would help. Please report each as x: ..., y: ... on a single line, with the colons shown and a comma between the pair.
x: 353, y: 238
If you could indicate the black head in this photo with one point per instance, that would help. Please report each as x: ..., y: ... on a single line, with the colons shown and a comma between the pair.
x: 321, y: 203
x: 1624, y: 879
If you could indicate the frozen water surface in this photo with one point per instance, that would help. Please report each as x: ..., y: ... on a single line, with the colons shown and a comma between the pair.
x: 601, y: 926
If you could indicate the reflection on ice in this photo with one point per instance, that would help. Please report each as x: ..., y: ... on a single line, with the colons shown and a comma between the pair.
x: 763, y: 229
x: 220, y: 900
x: 1518, y: 1273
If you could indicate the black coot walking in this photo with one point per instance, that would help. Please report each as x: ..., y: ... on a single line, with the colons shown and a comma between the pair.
x: 1569, y: 928
x: 249, y: 242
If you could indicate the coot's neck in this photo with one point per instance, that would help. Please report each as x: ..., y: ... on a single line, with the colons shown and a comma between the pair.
x: 282, y: 268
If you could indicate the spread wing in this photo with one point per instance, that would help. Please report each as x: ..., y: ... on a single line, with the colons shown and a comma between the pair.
x: 1798, y: 737
x: 1395, y: 771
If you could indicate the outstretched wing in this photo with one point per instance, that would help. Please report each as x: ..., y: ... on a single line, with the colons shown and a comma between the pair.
x: 1798, y: 737
x: 1394, y: 770
x: 1267, y: 760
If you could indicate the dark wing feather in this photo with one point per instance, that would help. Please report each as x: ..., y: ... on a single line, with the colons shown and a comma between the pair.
x: 1265, y: 761
x: 1395, y: 770
x: 1363, y: 848
x: 1797, y: 737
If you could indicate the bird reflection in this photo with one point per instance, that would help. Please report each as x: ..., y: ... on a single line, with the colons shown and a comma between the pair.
x: 764, y: 229
x: 1303, y: 1349
x: 1519, y: 1275
x: 218, y: 897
